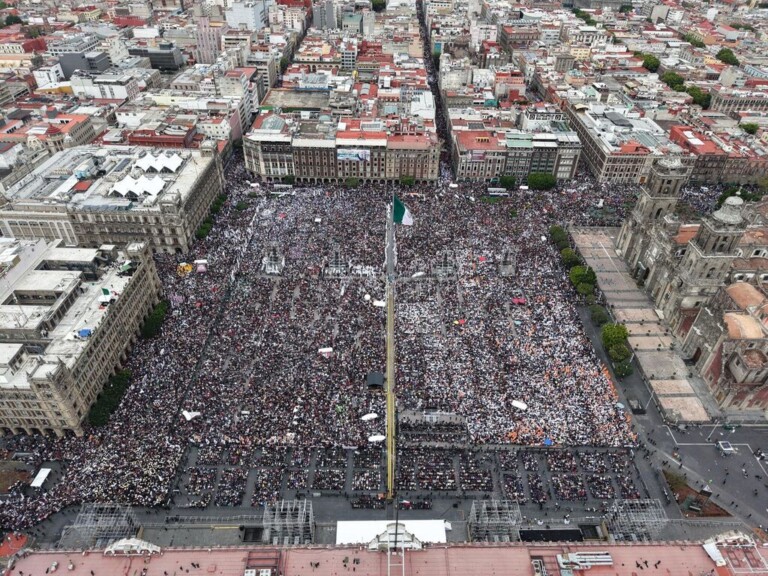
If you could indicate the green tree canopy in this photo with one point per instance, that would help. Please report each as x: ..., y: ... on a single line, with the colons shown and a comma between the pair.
x: 599, y: 315
x: 507, y: 182
x: 619, y: 353
x: 673, y: 80
x: 570, y: 258
x: 13, y: 19
x: 750, y: 127
x: 651, y: 63
x: 541, y: 181
x: 700, y: 97
x: 582, y: 275
x: 557, y: 234
x: 613, y: 334
x: 727, y: 56
x: 691, y: 39
x: 378, y: 5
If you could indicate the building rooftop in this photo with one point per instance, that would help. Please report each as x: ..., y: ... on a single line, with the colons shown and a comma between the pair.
x: 745, y: 295
x: 61, y: 307
x: 678, y: 559
x: 742, y: 326
x: 121, y: 178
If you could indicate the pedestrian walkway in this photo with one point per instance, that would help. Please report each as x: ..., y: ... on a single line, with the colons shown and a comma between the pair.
x: 680, y: 394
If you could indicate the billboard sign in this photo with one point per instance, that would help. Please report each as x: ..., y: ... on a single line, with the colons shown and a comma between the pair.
x: 353, y: 154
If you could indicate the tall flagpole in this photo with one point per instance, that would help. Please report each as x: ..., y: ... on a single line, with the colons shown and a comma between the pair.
x: 391, y: 404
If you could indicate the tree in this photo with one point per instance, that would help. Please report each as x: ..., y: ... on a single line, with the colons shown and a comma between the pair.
x: 599, y: 315
x: 351, y: 182
x: 13, y: 19
x: 750, y: 127
x: 613, y: 334
x: 727, y: 56
x: 407, y: 180
x: 582, y: 275
x: 585, y: 289
x: 507, y: 182
x: 691, y: 39
x: 109, y: 399
x: 154, y: 321
x: 623, y: 369
x: 626, y: 9
x: 651, y: 63
x: 619, y: 353
x: 673, y: 80
x: 541, y: 181
x: 699, y: 96
x: 557, y: 234
x: 570, y: 258
x: 378, y: 5
x: 284, y: 63
x: 290, y: 179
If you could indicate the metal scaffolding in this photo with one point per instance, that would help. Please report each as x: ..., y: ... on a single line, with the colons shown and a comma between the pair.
x: 494, y: 521
x: 636, y: 519
x: 289, y: 522
x: 99, y: 525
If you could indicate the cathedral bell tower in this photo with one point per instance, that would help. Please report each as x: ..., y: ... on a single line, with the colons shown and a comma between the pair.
x: 658, y: 198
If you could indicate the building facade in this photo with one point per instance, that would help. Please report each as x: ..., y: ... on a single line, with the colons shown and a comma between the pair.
x: 91, y: 196
x: 67, y: 321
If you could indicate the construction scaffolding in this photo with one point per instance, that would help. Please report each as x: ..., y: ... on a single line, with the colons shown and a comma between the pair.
x: 636, y: 519
x: 494, y: 521
x: 289, y: 522
x: 99, y: 525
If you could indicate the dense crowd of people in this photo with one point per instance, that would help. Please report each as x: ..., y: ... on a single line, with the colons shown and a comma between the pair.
x: 280, y: 360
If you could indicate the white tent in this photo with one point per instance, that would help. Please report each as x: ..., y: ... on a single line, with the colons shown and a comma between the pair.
x: 40, y: 478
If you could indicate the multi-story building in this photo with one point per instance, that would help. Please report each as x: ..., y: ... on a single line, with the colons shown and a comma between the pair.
x: 106, y: 86
x: 54, y: 132
x: 74, y: 43
x: 89, y: 196
x: 620, y: 146
x: 165, y: 56
x: 478, y: 155
x: 486, y: 155
x: 730, y: 101
x: 248, y: 14
x: 313, y: 151
x: 68, y: 319
x: 46, y: 75
x: 207, y: 40
x: 722, y: 159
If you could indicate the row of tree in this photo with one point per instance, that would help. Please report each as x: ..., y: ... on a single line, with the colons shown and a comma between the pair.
x: 109, y: 399
x: 584, y: 279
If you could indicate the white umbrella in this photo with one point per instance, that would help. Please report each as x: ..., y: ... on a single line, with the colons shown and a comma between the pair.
x: 377, y: 438
x: 190, y: 415
x: 520, y: 405
x: 379, y: 303
x: 371, y: 416
x: 367, y: 297
x: 419, y: 274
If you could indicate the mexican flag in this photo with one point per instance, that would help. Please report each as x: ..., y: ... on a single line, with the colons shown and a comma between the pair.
x: 402, y: 214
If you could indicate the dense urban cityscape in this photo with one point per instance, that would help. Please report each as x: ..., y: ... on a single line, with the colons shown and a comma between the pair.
x: 384, y: 286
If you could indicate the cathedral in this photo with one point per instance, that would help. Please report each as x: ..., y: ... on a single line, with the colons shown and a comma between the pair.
x: 707, y: 282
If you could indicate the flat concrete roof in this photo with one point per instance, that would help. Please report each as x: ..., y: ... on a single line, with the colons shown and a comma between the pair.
x: 303, y: 100
x: 677, y: 559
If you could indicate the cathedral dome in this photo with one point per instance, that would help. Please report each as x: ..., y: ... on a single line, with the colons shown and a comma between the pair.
x: 730, y: 212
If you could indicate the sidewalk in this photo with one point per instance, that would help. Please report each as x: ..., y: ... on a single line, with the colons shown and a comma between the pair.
x: 679, y: 393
